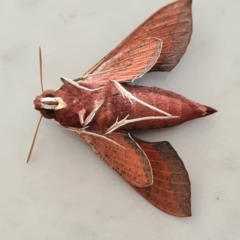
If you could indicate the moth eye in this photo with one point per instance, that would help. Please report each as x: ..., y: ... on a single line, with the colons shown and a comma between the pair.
x: 46, y: 113
x: 48, y: 93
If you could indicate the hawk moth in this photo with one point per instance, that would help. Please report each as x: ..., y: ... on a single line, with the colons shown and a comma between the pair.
x: 102, y: 108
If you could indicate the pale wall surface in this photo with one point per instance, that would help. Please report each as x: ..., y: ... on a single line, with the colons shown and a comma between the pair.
x: 66, y: 192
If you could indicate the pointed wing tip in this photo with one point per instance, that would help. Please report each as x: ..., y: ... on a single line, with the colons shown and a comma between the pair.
x: 182, y: 212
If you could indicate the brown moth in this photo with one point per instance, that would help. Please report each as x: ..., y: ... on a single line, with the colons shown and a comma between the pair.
x: 101, y: 107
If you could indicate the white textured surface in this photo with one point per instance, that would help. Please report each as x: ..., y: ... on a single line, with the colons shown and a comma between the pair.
x: 66, y: 192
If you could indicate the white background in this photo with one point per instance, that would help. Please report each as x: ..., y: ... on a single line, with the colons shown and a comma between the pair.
x: 66, y: 191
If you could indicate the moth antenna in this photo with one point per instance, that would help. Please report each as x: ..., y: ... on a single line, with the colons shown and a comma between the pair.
x: 41, y: 80
x: 34, y: 138
x: 40, y: 64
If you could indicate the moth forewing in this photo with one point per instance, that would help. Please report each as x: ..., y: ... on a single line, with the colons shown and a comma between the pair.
x: 172, y: 24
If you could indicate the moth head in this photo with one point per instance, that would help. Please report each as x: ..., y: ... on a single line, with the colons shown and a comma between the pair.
x: 47, y: 103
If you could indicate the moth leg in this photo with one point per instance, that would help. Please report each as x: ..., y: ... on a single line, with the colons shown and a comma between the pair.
x: 130, y: 97
x: 83, y: 131
x: 125, y: 121
x: 92, y: 114
x: 81, y: 115
x: 75, y: 84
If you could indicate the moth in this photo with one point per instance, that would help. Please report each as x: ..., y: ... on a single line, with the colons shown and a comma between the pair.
x: 103, y: 108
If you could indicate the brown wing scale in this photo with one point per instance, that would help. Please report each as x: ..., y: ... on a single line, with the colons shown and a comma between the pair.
x: 128, y: 65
